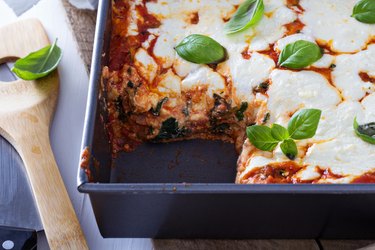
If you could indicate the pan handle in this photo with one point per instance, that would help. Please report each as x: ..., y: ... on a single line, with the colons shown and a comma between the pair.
x: 12, y: 238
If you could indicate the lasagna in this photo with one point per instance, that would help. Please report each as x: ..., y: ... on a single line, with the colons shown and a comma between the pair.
x: 153, y: 94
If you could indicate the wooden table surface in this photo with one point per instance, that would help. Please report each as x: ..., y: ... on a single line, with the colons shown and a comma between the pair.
x: 83, y: 25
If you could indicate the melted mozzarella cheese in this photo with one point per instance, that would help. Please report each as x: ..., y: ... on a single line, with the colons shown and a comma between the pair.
x: 291, y: 91
x: 335, y: 145
x: 132, y: 18
x: 246, y: 74
x: 183, y: 67
x: 271, y: 27
x: 146, y: 65
x: 346, y: 154
x: 175, y: 26
x: 164, y: 50
x: 331, y: 23
x: 205, y: 76
x: 280, y: 44
x: 170, y: 83
x: 325, y: 62
x: 346, y: 74
x: 368, y: 104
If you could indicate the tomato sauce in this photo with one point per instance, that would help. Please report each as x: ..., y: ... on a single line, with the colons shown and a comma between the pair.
x: 246, y: 54
x: 366, y: 77
x: 366, y: 178
x: 326, y: 174
x: 281, y: 172
x: 274, y: 55
x: 123, y: 47
x: 194, y: 18
x: 294, y: 3
x: 294, y: 27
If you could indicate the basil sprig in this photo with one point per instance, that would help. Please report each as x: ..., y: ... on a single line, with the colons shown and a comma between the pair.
x: 365, y: 131
x: 200, y: 49
x: 248, y: 14
x: 302, y: 125
x: 299, y: 54
x: 364, y: 11
x: 39, y: 63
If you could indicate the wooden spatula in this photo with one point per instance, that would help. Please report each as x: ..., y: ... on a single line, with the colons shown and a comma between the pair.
x: 26, y: 110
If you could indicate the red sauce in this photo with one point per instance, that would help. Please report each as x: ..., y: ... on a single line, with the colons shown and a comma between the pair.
x: 246, y: 54
x: 326, y: 174
x: 281, y: 172
x: 194, y: 18
x: 366, y: 77
x: 85, y: 160
x: 274, y: 55
x: 123, y: 47
x: 327, y: 48
x: 325, y: 72
x: 293, y: 27
x: 366, y: 178
x: 149, y: 21
x: 304, y: 149
x: 294, y: 3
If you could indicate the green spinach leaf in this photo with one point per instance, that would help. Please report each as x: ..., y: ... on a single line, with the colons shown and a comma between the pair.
x: 241, y: 110
x: 156, y: 111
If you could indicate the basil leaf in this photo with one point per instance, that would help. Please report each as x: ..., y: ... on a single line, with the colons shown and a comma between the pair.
x: 365, y: 131
x: 170, y: 130
x: 248, y: 14
x: 279, y: 132
x: 241, y: 110
x: 364, y: 11
x: 156, y: 111
x: 39, y: 63
x: 289, y: 148
x: 299, y: 54
x: 200, y: 49
x: 303, y: 125
x: 261, y: 137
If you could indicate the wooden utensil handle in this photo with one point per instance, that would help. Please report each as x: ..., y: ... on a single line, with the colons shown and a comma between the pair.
x: 56, y: 211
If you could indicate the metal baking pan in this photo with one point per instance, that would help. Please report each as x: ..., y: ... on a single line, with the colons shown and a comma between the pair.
x: 185, y: 189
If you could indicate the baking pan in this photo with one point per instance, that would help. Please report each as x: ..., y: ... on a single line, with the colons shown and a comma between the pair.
x: 185, y: 189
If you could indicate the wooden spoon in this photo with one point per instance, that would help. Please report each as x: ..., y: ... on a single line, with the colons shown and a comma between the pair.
x: 26, y: 110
